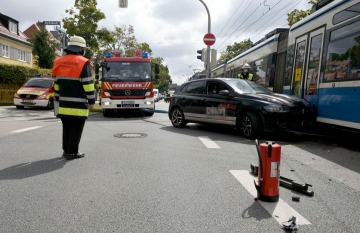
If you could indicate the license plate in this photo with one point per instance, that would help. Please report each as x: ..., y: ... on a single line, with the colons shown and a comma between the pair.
x: 26, y: 101
x: 127, y: 105
x: 128, y: 102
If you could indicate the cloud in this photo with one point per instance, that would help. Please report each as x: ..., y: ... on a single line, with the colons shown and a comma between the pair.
x: 174, y: 29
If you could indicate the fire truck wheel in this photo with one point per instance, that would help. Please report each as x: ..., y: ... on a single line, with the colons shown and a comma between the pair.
x: 148, y: 113
x: 50, y: 105
x: 106, y: 112
x: 177, y: 118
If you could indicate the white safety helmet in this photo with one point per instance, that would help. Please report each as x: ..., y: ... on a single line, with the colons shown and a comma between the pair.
x: 246, y: 66
x: 75, y: 43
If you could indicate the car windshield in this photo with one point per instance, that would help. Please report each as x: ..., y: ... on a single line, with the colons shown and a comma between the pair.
x: 126, y: 71
x: 38, y: 82
x: 247, y: 87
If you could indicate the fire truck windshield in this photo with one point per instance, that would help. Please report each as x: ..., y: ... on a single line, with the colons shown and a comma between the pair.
x: 126, y: 71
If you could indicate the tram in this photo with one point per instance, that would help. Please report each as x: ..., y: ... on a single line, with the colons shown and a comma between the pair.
x: 322, y: 62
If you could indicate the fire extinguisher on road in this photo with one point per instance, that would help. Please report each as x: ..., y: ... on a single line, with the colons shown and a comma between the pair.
x: 269, y: 171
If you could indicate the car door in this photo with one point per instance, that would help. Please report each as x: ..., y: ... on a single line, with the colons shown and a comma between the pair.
x: 191, y: 100
x: 219, y: 109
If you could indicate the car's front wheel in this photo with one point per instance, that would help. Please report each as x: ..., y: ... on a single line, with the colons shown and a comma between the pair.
x: 177, y: 118
x: 250, y: 125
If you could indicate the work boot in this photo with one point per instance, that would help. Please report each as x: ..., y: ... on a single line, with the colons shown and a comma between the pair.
x: 75, y: 156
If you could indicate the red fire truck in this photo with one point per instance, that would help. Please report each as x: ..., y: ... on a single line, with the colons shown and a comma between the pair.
x: 126, y: 83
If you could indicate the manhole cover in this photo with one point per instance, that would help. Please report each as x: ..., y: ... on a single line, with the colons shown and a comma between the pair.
x: 130, y: 135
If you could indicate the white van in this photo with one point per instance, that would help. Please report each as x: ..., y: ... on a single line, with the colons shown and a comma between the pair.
x: 156, y: 95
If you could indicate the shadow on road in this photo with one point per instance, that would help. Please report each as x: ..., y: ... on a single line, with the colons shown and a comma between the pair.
x: 27, y: 170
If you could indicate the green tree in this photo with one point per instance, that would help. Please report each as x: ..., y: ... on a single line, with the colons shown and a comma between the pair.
x: 124, y: 39
x: 144, y: 47
x: 105, y: 38
x: 44, y: 48
x: 165, y: 78
x: 83, y: 22
x: 296, y: 15
x: 234, y: 50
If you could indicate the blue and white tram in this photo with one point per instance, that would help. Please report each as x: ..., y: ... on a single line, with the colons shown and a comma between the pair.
x: 323, y: 62
x: 264, y: 57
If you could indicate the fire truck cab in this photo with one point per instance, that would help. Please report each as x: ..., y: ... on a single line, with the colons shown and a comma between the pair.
x: 126, y: 82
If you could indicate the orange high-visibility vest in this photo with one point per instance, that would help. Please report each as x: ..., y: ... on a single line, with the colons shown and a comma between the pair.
x: 69, y: 65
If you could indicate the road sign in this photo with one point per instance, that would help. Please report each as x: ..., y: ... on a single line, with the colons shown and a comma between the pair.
x: 209, y: 39
x: 51, y: 22
x: 59, y: 29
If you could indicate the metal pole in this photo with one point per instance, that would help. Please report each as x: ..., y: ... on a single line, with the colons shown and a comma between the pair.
x: 208, y: 47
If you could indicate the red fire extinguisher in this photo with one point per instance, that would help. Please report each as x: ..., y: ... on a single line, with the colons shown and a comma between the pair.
x: 269, y: 171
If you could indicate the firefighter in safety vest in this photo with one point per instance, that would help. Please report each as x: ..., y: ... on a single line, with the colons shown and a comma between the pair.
x: 245, y: 73
x: 74, y: 92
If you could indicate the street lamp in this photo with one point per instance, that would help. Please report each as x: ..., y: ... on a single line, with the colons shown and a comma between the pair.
x: 208, y: 47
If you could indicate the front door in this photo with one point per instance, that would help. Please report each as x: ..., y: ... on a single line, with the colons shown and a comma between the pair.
x: 299, y: 67
x: 219, y: 109
x: 313, y: 67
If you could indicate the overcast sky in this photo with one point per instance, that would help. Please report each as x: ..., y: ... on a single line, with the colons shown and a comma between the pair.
x: 174, y: 29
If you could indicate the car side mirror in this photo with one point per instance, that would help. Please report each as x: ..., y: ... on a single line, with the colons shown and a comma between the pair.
x: 224, y: 93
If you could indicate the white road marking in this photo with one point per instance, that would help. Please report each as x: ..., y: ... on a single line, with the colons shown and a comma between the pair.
x: 280, y: 210
x: 26, y: 129
x: 208, y: 143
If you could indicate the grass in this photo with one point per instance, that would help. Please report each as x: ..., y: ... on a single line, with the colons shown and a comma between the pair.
x: 97, y: 108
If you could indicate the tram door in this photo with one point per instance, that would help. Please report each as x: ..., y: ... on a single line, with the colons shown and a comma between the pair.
x: 299, y: 67
x: 312, y: 72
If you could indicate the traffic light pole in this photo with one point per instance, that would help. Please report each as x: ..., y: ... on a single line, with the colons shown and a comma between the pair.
x: 208, y: 47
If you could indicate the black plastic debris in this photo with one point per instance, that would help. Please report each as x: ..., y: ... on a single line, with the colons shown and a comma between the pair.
x: 296, y: 198
x: 291, y: 225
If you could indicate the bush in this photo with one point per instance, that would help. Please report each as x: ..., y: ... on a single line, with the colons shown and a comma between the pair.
x: 19, y: 74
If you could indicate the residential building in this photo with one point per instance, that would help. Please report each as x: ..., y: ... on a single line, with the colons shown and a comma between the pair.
x: 29, y: 32
x: 14, y: 47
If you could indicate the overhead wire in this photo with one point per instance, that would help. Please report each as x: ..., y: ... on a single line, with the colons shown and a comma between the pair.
x: 239, y: 26
x: 237, y: 19
x: 253, y: 22
x: 230, y: 18
x: 289, y: 5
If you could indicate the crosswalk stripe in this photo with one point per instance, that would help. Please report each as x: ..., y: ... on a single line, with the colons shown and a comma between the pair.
x: 208, y: 142
x: 280, y: 210
x: 26, y: 129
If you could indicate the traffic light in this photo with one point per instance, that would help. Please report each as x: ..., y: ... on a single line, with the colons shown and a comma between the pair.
x: 202, y: 55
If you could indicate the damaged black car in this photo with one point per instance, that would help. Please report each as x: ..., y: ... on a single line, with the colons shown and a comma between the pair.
x: 248, y: 106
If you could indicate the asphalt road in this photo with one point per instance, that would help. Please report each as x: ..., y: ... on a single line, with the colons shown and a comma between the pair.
x: 140, y: 174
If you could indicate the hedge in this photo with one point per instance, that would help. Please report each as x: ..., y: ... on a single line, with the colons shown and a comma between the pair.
x: 19, y: 74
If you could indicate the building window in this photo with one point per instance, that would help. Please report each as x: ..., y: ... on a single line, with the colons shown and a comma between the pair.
x: 22, y: 55
x: 12, y: 27
x: 5, y: 50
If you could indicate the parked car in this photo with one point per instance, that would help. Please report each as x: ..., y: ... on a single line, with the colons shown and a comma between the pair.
x: 36, y: 92
x: 244, y: 104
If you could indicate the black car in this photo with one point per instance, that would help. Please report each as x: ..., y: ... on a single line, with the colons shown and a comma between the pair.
x: 248, y: 106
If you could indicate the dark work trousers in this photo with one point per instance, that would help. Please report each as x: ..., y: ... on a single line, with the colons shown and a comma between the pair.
x: 72, y: 131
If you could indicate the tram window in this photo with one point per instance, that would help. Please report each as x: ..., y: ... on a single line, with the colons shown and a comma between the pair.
x: 289, y: 65
x: 347, y: 14
x: 344, y: 31
x: 343, y: 59
x: 313, y: 65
